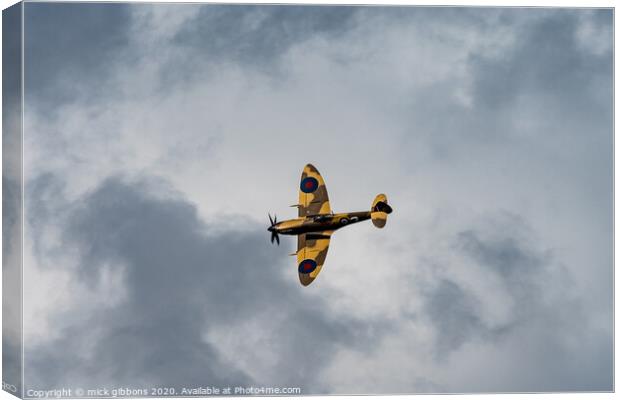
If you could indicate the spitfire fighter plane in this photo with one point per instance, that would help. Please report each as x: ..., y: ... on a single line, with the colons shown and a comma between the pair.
x: 316, y: 223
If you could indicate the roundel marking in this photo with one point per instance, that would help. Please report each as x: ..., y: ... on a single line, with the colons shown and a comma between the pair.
x: 307, y: 266
x: 309, y: 184
x: 344, y: 221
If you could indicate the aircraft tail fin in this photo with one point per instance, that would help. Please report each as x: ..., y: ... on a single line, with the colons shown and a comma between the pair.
x: 380, y: 210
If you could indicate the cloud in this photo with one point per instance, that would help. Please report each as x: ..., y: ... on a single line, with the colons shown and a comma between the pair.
x: 181, y: 290
x: 489, y: 129
x: 69, y: 54
x: 490, y: 310
x: 257, y: 36
x: 502, y: 284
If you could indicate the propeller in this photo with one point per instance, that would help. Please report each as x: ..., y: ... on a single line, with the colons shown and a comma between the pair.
x: 272, y: 229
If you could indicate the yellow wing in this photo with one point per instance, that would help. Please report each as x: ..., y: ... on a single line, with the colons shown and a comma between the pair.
x: 311, y: 254
x: 313, y: 197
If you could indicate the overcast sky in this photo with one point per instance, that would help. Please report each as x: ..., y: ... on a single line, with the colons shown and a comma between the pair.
x: 159, y: 136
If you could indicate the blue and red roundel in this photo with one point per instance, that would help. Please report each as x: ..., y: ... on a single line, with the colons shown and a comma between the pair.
x: 309, y: 184
x: 307, y: 266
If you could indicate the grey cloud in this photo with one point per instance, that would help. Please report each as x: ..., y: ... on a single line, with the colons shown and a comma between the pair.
x: 453, y: 312
x: 70, y: 49
x: 259, y: 34
x: 524, y: 271
x: 544, y: 71
x: 252, y: 36
x: 539, y: 122
x: 548, y: 62
x: 181, y: 280
x: 507, y: 256
x: 73, y: 48
x: 544, y: 322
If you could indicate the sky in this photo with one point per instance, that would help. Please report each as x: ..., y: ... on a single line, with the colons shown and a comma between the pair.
x: 157, y: 137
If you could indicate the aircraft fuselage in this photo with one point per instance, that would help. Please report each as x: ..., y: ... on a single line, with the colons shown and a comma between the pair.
x: 319, y: 223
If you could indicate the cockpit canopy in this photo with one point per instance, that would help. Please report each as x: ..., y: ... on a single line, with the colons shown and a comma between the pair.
x: 322, y: 217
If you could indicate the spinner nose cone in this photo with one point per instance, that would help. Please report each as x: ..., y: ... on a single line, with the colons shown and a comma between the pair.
x: 271, y: 228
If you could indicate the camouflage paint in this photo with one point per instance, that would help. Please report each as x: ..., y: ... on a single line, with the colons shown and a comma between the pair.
x: 316, y: 222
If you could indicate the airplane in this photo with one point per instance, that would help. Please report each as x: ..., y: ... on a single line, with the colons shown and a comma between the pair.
x: 316, y: 223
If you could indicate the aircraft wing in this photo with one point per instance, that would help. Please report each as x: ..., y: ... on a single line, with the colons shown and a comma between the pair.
x: 311, y: 254
x: 313, y: 197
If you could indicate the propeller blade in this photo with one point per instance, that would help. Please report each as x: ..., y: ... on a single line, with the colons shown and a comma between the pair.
x: 274, y: 234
